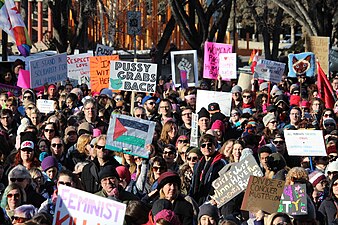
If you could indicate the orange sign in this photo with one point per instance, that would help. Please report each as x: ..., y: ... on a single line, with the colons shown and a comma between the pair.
x: 100, y: 71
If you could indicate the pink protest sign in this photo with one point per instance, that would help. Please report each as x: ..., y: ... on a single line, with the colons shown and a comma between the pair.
x: 24, y: 79
x: 211, y: 59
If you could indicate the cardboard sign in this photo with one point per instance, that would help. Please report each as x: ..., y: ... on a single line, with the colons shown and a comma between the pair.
x: 204, y: 98
x: 244, y: 81
x: 269, y: 70
x: 86, y: 208
x: 133, y: 76
x: 305, y: 142
x: 294, y: 200
x: 9, y: 88
x: 103, y: 50
x: 320, y: 46
x: 262, y: 194
x: 99, y: 71
x: 134, y: 22
x: 48, y: 70
x: 79, y: 68
x: 228, y: 66
x: 302, y: 64
x: 130, y: 135
x: 45, y: 106
x: 211, y: 59
x: 194, y: 130
x: 234, y: 179
x: 184, y: 68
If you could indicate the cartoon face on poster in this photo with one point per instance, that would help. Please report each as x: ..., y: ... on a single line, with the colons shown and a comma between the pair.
x: 184, y: 68
x: 302, y: 64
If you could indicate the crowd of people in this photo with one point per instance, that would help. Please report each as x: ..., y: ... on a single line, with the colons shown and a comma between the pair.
x: 39, y: 152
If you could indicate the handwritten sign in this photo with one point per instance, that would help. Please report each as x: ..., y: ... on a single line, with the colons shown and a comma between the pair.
x: 228, y: 66
x: 48, y: 70
x: 9, y: 88
x: 262, y: 194
x: 79, y: 68
x: 320, y: 46
x: 294, y: 200
x: 45, y: 106
x: 234, y: 179
x: 133, y: 76
x: 99, y: 71
x: 204, y: 98
x: 269, y: 70
x: 305, y: 142
x: 184, y: 68
x: 103, y: 50
x: 302, y: 64
x: 211, y: 58
x: 85, y: 208
x: 194, y: 130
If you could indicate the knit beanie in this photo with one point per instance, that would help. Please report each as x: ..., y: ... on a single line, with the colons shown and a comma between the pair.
x: 159, y: 205
x: 48, y: 163
x: 328, y: 121
x: 218, y: 125
x: 268, y: 118
x: 209, y: 210
x: 168, y: 216
x: 315, y: 177
x: 203, y: 113
x: 331, y: 149
x: 124, y: 173
x: 108, y: 171
x: 168, y: 177
x: 276, y: 162
x: 295, y: 100
x: 236, y: 89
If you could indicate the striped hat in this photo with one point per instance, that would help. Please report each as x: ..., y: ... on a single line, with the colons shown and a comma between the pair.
x: 315, y: 177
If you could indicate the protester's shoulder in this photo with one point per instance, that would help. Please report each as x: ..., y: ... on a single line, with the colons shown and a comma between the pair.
x: 127, y: 196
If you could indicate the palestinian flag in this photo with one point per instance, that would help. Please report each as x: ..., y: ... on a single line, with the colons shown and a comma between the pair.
x: 129, y: 135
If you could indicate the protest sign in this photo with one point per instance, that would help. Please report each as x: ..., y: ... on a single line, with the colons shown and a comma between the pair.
x: 103, y: 50
x: 24, y: 79
x: 133, y: 76
x: 211, y: 58
x: 184, y: 68
x: 302, y: 64
x: 320, y: 46
x: 269, y: 70
x: 74, y: 206
x: 228, y: 66
x: 49, y: 70
x: 244, y: 81
x: 194, y: 130
x: 294, y: 200
x: 305, y: 142
x: 99, y: 71
x: 262, y: 194
x: 204, y: 98
x: 130, y: 135
x: 79, y: 68
x: 233, y: 179
x: 9, y: 88
x: 45, y: 106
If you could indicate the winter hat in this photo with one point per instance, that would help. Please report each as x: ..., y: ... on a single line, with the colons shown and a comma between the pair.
x: 282, y: 98
x: 168, y: 215
x: 85, y: 128
x: 271, y: 108
x: 209, y: 210
x: 268, y: 118
x: 159, y: 205
x: 168, y: 177
x: 295, y: 100
x: 217, y: 116
x: 276, y: 162
x: 108, y: 171
x: 315, y: 177
x: 51, y: 86
x: 70, y: 129
x: 203, y: 113
x: 264, y: 85
x: 218, y: 125
x: 48, y: 163
x: 107, y: 92
x: 18, y: 62
x: 331, y: 149
x: 293, y: 88
x: 327, y: 121
x: 96, y: 132
x: 124, y: 173
x: 28, y: 140
x: 194, y: 150
x: 236, y: 89
x: 305, y: 104
x: 148, y: 97
x: 332, y: 167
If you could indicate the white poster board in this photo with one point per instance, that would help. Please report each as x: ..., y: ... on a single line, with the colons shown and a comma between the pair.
x: 194, y: 130
x: 305, y: 142
x: 45, y: 106
x: 204, y: 98
x: 79, y: 68
x: 86, y: 208
x: 133, y: 76
x: 228, y: 65
x: 103, y: 50
x: 269, y: 70
x: 48, y: 70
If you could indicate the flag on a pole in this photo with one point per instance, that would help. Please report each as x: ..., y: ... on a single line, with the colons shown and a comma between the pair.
x: 254, y: 62
x: 253, y: 53
x: 11, y: 22
x: 129, y: 135
x: 324, y: 87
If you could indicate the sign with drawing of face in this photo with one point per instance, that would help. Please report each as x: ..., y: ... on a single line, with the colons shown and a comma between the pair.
x: 184, y: 68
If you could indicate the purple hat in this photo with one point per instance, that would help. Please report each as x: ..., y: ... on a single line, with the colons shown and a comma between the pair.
x: 48, y: 162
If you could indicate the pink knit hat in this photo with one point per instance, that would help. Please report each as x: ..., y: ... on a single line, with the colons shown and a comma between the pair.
x: 218, y: 124
x: 169, y: 216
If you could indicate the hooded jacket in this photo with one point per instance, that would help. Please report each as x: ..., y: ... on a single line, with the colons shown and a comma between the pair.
x: 328, y: 208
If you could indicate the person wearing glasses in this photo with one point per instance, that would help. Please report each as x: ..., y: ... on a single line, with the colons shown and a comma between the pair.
x: 29, y: 95
x: 270, y: 130
x: 91, y: 116
x: 248, y: 99
x: 206, y: 170
x: 186, y: 116
x: 13, y: 197
x: 149, y: 104
x: 236, y: 92
x: 50, y: 131
x: 140, y: 112
x: 27, y: 154
x: 90, y: 172
x: 23, y: 213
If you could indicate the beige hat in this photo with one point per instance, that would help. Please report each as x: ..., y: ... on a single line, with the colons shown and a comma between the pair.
x: 268, y: 118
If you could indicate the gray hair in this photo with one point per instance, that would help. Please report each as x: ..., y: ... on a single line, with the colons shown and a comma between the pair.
x: 19, y: 172
x: 140, y: 108
x: 28, y: 210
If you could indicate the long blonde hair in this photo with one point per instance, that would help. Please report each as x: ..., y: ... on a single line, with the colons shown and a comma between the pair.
x: 82, y: 142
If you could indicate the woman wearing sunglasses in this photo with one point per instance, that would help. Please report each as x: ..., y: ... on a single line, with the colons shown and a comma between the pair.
x: 13, y: 197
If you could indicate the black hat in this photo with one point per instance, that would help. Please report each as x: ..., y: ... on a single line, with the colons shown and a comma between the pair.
x: 203, y: 113
x: 159, y: 205
x: 217, y: 116
x: 18, y: 62
x: 213, y: 107
x: 28, y: 140
x: 209, y: 210
x: 108, y: 171
x: 271, y: 108
x: 264, y: 149
x: 276, y: 162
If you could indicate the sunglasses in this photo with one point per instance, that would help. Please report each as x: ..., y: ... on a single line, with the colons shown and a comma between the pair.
x: 183, y: 141
x: 195, y: 158
x: 234, y: 114
x: 29, y: 150
x: 208, y: 144
x: 327, y: 115
x: 17, y: 179
x: 65, y: 183
x: 330, y: 124
x: 335, y: 184
x: 118, y: 99
x: 100, y: 147
x: 27, y: 97
x: 158, y: 168
x: 139, y: 115
x: 246, y: 96
x: 278, y: 142
x: 332, y: 173
x: 56, y: 145
x: 151, y: 103
x: 19, y: 219
x: 168, y: 153
x: 13, y: 195
x: 49, y: 130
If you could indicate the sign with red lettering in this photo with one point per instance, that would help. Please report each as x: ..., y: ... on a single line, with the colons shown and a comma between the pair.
x: 74, y: 206
x: 78, y: 68
x: 100, y: 71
